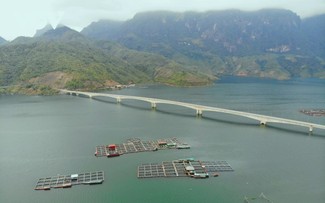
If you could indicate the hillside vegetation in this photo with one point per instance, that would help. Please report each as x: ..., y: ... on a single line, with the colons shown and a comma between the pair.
x: 63, y: 58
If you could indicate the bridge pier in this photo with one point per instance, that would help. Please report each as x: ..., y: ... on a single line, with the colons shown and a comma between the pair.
x: 118, y: 99
x: 310, y: 130
x: 263, y: 123
x: 199, y: 112
x: 153, y: 105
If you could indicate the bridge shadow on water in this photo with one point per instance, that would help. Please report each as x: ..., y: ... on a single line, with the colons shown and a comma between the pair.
x: 104, y: 100
x: 296, y: 132
x: 225, y: 121
x: 146, y: 108
x: 276, y: 127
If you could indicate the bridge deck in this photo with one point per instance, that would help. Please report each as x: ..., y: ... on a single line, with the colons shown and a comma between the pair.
x: 263, y: 119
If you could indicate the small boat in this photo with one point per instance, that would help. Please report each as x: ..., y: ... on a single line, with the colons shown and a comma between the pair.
x: 113, y: 154
x: 93, y: 182
x: 46, y: 188
x: 66, y: 185
x: 201, y: 175
x: 187, y: 160
x: 183, y: 146
x: 42, y: 188
x: 216, y: 174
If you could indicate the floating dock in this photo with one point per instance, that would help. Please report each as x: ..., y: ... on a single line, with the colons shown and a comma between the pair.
x: 183, y: 168
x: 67, y: 181
x: 313, y: 112
x: 135, y: 145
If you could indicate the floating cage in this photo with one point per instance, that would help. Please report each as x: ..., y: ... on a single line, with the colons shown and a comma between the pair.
x: 261, y: 198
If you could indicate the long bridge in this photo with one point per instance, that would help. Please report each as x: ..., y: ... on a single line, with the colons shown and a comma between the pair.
x: 262, y: 119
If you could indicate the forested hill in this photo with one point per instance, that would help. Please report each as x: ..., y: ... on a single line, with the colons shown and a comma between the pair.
x: 64, y: 58
x: 271, y: 43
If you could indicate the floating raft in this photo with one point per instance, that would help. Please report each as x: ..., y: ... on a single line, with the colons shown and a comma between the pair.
x: 183, y: 168
x: 313, y: 112
x: 67, y: 181
x: 135, y: 145
x: 260, y: 198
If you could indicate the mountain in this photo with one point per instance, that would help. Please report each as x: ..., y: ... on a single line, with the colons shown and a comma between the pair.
x: 2, y: 41
x: 230, y: 32
x: 45, y: 29
x: 103, y: 29
x: 64, y: 58
x: 267, y: 43
x: 314, y: 30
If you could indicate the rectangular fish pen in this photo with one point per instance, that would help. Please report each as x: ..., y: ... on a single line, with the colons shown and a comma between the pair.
x: 67, y: 181
x: 135, y: 145
x: 183, y: 168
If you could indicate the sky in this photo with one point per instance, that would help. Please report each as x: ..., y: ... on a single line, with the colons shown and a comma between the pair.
x: 24, y: 17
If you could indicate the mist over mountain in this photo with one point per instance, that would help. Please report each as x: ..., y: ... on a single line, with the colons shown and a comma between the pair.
x: 103, y: 30
x: 2, y: 41
x: 40, y: 32
x: 230, y: 32
x: 273, y: 43
x: 313, y: 29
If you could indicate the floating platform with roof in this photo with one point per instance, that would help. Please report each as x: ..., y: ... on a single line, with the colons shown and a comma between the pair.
x: 67, y: 181
x: 183, y: 168
x: 135, y: 145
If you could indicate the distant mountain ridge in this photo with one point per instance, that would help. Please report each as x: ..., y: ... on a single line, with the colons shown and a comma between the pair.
x: 271, y: 43
x: 230, y: 32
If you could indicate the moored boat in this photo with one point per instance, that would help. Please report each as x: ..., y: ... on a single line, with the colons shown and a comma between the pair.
x: 66, y: 185
x: 113, y: 154
x: 93, y: 182
x: 201, y: 175
x: 183, y: 146
x: 216, y: 174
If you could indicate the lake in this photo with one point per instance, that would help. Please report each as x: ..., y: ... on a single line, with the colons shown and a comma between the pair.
x: 45, y: 136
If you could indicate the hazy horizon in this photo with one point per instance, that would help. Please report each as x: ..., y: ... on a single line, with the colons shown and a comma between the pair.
x: 24, y: 18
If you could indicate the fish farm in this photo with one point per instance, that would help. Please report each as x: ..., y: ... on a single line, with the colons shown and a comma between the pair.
x: 134, y: 145
x: 183, y: 168
x: 67, y: 181
x: 313, y: 112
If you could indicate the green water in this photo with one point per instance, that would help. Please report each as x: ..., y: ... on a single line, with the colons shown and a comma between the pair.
x: 46, y: 136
